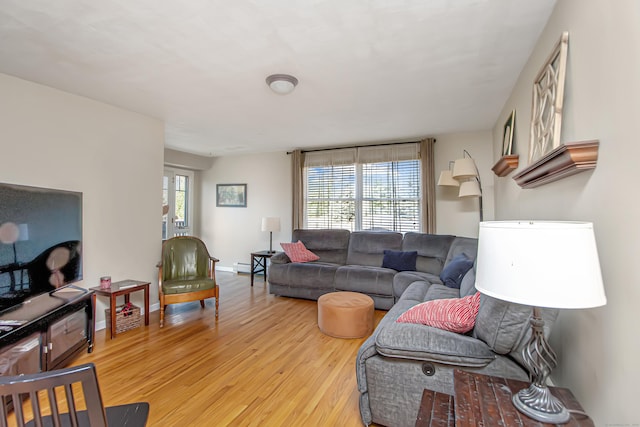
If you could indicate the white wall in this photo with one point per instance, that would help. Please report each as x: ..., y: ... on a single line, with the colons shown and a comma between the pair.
x: 598, y: 348
x: 231, y: 234
x: 58, y: 140
x: 454, y: 215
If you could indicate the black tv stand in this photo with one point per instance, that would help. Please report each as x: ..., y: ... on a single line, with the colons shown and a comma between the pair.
x: 47, y: 331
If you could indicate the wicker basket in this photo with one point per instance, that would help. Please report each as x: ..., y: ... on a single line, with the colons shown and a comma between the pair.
x: 124, y: 321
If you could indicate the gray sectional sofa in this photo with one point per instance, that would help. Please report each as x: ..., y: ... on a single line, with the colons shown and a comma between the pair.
x: 399, y: 360
x: 353, y: 262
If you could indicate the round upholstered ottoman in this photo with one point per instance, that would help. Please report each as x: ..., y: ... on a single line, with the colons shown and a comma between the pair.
x: 345, y: 314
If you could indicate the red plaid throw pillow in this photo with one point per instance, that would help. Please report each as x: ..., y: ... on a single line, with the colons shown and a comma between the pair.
x: 297, y: 252
x: 453, y: 314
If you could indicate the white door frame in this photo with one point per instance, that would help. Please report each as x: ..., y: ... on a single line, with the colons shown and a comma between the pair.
x: 172, y: 229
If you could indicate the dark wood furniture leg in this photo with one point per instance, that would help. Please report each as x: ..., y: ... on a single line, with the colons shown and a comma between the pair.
x: 146, y: 305
x: 112, y: 307
x: 253, y: 267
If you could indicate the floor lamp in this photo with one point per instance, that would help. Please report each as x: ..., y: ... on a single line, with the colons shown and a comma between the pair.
x: 464, y: 173
x: 540, y: 264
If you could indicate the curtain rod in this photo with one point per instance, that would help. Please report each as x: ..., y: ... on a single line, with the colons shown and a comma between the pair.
x: 358, y: 146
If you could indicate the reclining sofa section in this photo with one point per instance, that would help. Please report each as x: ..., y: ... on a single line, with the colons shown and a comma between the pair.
x: 353, y: 262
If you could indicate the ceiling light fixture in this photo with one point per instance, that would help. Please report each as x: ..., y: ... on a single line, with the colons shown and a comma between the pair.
x: 282, y: 84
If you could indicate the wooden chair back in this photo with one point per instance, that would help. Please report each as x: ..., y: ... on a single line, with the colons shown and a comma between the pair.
x: 41, y: 392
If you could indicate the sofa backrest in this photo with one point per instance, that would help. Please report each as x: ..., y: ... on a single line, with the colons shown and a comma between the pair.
x: 465, y: 245
x: 432, y: 250
x: 330, y: 245
x: 367, y: 247
x: 505, y: 326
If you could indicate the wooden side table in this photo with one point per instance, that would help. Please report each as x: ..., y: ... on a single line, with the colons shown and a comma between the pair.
x: 486, y: 400
x: 259, y: 263
x: 436, y: 410
x: 124, y: 287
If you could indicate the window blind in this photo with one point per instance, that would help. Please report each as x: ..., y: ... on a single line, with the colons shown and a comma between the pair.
x: 366, y: 188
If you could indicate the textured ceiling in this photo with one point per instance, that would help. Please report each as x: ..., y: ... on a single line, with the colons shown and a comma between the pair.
x: 369, y: 70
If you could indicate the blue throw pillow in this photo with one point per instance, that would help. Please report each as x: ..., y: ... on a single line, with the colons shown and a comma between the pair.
x: 400, y: 261
x: 453, y: 272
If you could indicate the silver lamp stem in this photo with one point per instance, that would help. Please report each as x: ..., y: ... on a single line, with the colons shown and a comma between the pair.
x: 537, y: 402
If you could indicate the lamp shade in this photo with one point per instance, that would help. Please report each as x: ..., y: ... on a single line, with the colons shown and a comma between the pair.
x: 464, y: 168
x: 447, y: 180
x: 470, y: 189
x: 271, y: 223
x: 540, y: 263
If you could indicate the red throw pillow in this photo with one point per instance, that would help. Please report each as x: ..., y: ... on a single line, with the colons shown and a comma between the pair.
x: 297, y: 252
x: 453, y: 314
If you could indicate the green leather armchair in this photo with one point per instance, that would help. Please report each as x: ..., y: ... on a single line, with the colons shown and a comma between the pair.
x: 186, y: 272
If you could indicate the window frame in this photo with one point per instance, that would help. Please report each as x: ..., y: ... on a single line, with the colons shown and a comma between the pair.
x: 359, y: 192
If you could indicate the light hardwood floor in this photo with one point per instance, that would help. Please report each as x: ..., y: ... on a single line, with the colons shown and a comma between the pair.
x: 263, y: 363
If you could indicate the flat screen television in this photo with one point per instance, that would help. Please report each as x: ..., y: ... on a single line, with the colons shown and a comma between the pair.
x: 40, y: 241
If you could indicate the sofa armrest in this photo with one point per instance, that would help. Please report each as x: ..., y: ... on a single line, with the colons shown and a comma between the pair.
x: 280, y: 258
x: 420, y: 342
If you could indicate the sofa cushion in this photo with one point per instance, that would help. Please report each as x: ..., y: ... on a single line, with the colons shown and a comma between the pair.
x: 313, y: 275
x: 399, y: 260
x: 367, y: 247
x: 432, y: 250
x: 453, y: 272
x: 463, y: 245
x: 365, y: 279
x: 451, y: 314
x: 501, y: 324
x: 415, y: 293
x: 420, y: 342
x: 297, y: 252
x: 330, y: 245
x: 468, y: 284
x: 438, y: 291
x: 403, y: 279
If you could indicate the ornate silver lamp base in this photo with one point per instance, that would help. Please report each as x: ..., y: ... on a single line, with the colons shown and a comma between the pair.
x: 538, y: 403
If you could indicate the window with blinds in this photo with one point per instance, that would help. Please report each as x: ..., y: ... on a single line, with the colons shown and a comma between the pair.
x: 367, y: 188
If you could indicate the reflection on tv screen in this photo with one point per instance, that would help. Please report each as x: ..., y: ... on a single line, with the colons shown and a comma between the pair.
x: 40, y: 241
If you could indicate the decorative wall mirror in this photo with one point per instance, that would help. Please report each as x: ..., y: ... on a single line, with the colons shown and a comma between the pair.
x: 548, y: 94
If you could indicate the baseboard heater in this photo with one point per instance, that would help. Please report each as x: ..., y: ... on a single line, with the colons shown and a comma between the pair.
x: 241, y: 267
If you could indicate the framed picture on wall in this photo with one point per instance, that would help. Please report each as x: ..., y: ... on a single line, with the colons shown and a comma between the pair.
x: 507, y: 139
x: 231, y: 195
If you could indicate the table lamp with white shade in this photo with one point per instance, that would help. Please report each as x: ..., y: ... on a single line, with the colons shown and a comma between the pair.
x: 271, y: 224
x: 541, y: 264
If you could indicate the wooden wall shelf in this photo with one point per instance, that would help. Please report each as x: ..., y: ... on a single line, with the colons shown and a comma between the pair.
x: 566, y: 160
x: 505, y: 165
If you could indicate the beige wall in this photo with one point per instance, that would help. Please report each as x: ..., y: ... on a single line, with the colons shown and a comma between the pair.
x: 231, y: 234
x: 114, y: 157
x: 454, y: 215
x: 598, y: 348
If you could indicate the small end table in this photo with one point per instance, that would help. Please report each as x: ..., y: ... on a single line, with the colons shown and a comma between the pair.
x: 486, y: 400
x: 259, y: 263
x: 124, y: 287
